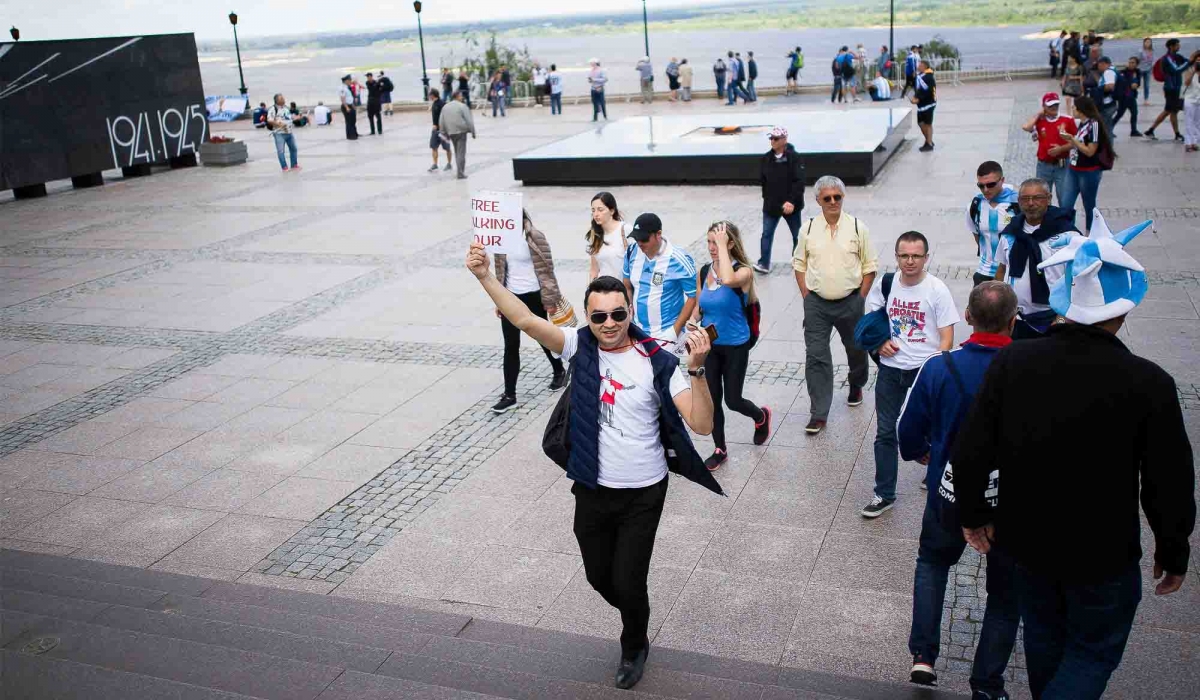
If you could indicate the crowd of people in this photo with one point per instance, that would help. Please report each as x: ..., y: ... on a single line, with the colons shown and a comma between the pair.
x: 966, y: 414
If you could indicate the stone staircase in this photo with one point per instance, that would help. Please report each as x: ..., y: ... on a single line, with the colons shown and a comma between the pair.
x: 72, y: 628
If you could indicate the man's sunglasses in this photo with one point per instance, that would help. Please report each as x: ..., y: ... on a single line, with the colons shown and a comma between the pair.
x: 829, y: 199
x: 601, y: 317
x: 987, y: 185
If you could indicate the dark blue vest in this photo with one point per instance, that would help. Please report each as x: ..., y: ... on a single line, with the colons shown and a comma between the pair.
x: 584, y: 464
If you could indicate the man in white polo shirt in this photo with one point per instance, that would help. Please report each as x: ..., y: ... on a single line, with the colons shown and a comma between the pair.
x: 922, y: 315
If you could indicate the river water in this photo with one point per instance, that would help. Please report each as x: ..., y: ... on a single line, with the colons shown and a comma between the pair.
x: 306, y: 76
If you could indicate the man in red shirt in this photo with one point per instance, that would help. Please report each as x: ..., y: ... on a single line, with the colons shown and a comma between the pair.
x: 1052, y: 148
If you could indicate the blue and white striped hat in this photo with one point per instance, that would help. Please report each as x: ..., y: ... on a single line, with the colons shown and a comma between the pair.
x: 1102, y: 280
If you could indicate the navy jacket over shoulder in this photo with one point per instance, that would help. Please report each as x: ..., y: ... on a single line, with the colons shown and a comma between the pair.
x: 584, y: 463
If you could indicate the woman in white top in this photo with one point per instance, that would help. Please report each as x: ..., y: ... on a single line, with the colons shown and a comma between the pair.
x: 1191, y: 107
x: 606, y: 241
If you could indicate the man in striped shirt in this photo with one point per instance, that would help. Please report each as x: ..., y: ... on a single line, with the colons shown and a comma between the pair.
x: 661, y: 280
x: 988, y: 215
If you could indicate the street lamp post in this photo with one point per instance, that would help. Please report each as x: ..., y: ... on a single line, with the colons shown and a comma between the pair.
x: 16, y: 34
x: 646, y: 28
x: 238, y: 49
x: 892, y: 36
x: 421, y: 38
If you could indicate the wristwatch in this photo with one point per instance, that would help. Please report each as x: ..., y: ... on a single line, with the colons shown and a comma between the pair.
x: 696, y: 372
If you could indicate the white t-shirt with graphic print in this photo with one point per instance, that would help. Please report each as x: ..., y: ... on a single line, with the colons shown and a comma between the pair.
x: 631, y: 453
x: 916, y: 313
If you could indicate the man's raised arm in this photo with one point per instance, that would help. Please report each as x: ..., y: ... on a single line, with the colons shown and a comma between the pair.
x: 541, y: 330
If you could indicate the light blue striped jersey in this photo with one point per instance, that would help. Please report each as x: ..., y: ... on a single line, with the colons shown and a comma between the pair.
x: 661, y: 286
x: 985, y: 221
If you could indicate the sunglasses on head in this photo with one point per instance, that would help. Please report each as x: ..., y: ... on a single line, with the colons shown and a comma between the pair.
x: 987, y: 185
x: 829, y: 199
x: 601, y: 317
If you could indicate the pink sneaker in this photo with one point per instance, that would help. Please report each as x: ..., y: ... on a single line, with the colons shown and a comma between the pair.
x: 297, y: 167
x: 285, y: 170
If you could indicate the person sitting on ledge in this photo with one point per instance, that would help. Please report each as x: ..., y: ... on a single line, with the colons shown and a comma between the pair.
x: 880, y: 89
x: 298, y: 117
x: 260, y: 116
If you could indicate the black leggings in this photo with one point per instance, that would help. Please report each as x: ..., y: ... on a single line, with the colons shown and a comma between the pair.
x: 512, y: 344
x: 725, y: 368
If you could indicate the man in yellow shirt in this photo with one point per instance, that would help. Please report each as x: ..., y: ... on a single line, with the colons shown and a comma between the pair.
x: 835, y: 266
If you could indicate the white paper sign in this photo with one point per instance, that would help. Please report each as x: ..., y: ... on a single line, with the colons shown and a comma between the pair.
x: 496, y: 220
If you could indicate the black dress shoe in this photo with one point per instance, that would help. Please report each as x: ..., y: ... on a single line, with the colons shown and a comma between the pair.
x: 630, y: 671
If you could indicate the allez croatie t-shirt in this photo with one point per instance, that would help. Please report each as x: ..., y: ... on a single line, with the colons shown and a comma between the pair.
x: 631, y: 453
x: 916, y: 313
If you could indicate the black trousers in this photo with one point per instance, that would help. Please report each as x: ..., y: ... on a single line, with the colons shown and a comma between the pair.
x: 725, y: 370
x: 375, y: 117
x: 1127, y: 105
x: 615, y: 529
x: 351, y: 116
x: 512, y: 344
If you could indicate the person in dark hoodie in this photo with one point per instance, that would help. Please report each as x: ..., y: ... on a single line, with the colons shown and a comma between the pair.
x: 1031, y: 236
x: 628, y: 406
x: 1079, y: 428
x: 781, y: 174
x: 929, y: 422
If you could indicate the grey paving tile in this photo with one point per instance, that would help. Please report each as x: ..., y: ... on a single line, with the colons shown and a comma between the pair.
x: 145, y: 444
x: 356, y: 463
x: 413, y: 564
x: 80, y: 475
x: 21, y: 507
x: 149, y: 536
x: 298, y: 497
x: 581, y: 610
x: 85, y: 438
x: 767, y: 551
x: 224, y: 490
x: 509, y: 577
x: 154, y: 481
x: 82, y: 521
x: 732, y: 615
x: 236, y: 542
x: 469, y: 518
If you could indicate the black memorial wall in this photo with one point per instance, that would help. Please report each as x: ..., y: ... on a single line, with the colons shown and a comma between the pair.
x: 74, y: 108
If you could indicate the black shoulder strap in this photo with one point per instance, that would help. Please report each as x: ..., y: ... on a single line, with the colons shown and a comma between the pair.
x: 886, y: 286
x: 704, y: 272
x: 976, y: 209
x: 958, y: 380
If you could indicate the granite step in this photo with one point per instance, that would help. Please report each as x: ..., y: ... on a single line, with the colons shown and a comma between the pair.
x: 194, y: 663
x: 27, y: 676
x: 278, y: 643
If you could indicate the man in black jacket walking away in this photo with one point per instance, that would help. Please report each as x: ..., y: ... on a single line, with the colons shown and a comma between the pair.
x: 1075, y: 423
x: 374, y: 104
x: 782, y: 178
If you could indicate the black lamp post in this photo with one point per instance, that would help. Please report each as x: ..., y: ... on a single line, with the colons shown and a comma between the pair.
x: 16, y: 34
x: 646, y: 28
x: 421, y: 38
x: 892, y: 37
x: 238, y: 49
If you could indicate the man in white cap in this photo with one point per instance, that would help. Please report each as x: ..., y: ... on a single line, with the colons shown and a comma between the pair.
x: 781, y: 175
x: 1074, y: 423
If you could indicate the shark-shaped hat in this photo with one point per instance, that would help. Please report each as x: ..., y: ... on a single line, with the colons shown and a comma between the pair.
x: 1102, y: 281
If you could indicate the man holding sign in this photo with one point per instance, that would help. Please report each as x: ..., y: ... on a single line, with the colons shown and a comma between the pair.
x: 456, y: 122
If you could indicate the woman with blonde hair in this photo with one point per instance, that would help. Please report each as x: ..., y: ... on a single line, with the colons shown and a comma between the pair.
x: 726, y: 291
x: 606, y: 238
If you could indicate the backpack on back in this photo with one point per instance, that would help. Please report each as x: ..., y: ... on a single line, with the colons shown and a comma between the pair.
x: 848, y: 67
x: 1157, y: 72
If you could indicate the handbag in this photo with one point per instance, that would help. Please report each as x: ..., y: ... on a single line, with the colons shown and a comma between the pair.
x: 564, y: 315
x: 556, y: 441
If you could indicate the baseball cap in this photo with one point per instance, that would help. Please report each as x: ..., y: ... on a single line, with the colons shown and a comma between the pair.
x: 778, y: 132
x: 645, y: 226
x: 1104, y: 59
x: 1050, y: 98
x: 346, y: 76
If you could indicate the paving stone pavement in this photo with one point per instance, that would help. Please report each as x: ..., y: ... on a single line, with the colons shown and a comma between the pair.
x: 206, y: 280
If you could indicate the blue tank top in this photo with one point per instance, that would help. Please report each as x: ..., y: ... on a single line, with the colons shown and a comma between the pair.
x: 723, y: 308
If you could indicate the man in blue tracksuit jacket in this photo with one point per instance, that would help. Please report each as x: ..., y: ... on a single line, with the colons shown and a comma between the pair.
x: 929, y: 421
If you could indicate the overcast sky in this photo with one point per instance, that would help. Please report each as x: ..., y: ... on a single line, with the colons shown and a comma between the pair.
x: 68, y: 19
